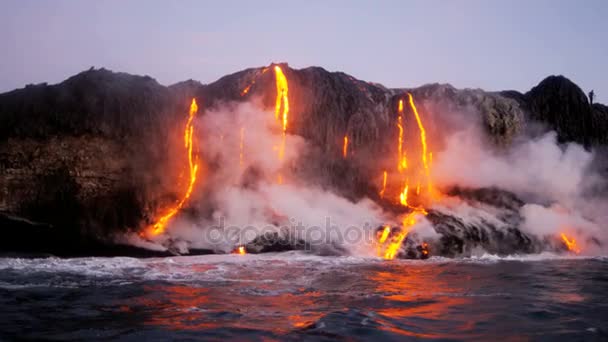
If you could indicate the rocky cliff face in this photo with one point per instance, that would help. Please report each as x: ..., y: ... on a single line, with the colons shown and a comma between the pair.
x: 83, y: 156
x: 87, y: 157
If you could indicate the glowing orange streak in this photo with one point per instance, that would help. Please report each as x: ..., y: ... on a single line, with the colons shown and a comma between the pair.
x: 241, y: 250
x: 248, y: 87
x: 160, y: 226
x: 384, y: 177
x: 403, y: 195
x: 282, y: 102
x: 282, y: 147
x: 383, y: 236
x: 570, y: 243
x: 395, y: 243
x: 345, y: 147
x: 422, y: 140
x: 402, y: 162
x: 282, y: 97
x: 246, y: 90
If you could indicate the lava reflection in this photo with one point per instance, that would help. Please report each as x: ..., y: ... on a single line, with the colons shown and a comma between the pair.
x: 417, y: 294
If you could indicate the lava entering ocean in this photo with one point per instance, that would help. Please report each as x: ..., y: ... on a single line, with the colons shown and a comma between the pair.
x: 262, y: 173
x: 161, y: 224
x: 570, y: 243
x: 406, y: 172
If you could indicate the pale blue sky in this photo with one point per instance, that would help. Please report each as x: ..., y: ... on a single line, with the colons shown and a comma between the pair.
x: 488, y: 44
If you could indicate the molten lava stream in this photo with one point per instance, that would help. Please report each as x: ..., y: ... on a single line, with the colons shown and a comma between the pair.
x: 396, y: 241
x: 282, y: 101
x: 281, y: 111
x: 161, y: 224
x: 345, y: 147
x: 382, y: 238
x: 425, y: 162
x: 245, y: 90
x: 570, y: 243
x: 384, y: 178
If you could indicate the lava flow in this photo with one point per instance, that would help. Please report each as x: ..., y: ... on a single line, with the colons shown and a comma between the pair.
x: 570, y: 243
x: 395, y: 243
x: 401, y: 158
x: 282, y: 101
x: 161, y: 224
x: 281, y: 111
x: 384, y: 178
x: 423, y: 142
x: 245, y: 91
x: 345, y: 147
x: 406, y: 172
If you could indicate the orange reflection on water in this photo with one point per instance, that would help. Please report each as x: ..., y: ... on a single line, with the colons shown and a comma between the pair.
x: 178, y: 307
x: 420, y: 294
x: 243, y: 303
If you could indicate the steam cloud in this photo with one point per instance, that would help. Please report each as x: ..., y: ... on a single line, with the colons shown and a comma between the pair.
x: 240, y: 144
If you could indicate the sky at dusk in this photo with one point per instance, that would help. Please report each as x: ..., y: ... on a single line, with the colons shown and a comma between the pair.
x: 494, y: 45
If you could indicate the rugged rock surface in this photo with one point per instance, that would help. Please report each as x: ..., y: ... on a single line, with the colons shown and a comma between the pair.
x: 563, y: 107
x: 91, y: 156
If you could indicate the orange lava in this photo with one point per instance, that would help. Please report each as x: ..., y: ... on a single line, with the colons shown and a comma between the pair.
x: 402, y: 160
x: 281, y: 111
x: 384, y: 178
x: 395, y: 243
x: 382, y: 237
x: 241, y: 250
x: 403, y: 195
x: 406, y: 171
x: 161, y: 224
x: 425, y: 157
x: 345, y: 147
x: 282, y: 101
x: 570, y: 243
x: 245, y: 91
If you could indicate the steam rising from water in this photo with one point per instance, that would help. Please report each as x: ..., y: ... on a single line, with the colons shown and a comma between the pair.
x: 554, y: 180
x: 247, y: 185
x: 242, y: 187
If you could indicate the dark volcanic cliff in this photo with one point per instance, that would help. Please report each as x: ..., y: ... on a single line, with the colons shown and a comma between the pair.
x: 90, y: 155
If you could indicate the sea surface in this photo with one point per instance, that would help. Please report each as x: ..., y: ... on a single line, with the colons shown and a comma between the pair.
x: 294, y: 296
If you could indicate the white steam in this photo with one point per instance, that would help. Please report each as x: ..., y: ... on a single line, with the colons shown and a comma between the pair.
x: 552, y: 179
x: 250, y: 187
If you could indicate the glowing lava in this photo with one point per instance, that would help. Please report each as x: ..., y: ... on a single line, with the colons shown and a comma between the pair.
x: 395, y: 243
x: 160, y: 225
x: 382, y: 237
x: 570, y: 243
x: 425, y: 162
x: 241, y: 250
x: 245, y: 91
x: 403, y: 195
x: 407, y: 172
x: 402, y: 160
x: 384, y: 178
x: 282, y: 101
x: 345, y: 146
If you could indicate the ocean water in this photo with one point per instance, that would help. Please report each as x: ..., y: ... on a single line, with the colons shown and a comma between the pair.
x: 294, y: 296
